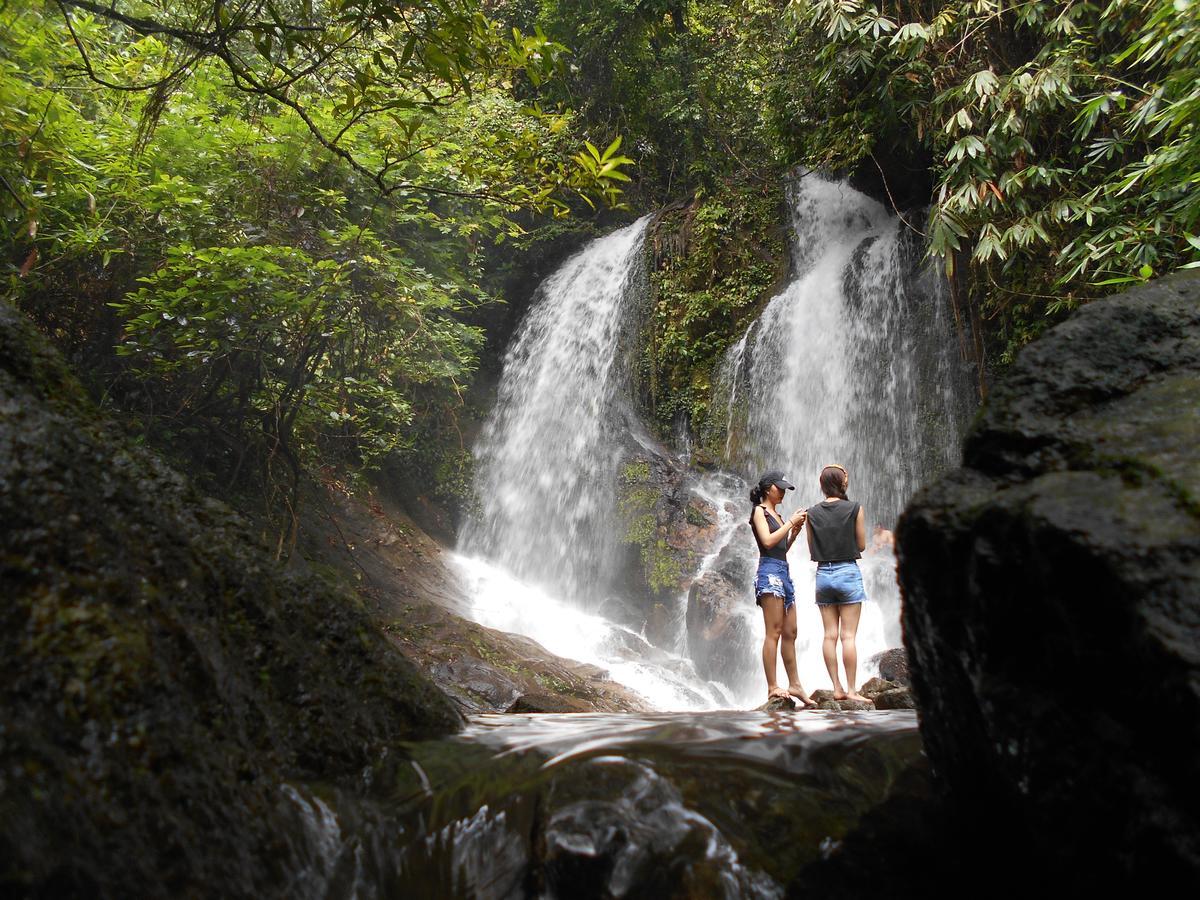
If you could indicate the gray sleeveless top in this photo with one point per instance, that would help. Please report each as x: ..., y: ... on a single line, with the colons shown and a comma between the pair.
x: 831, y: 530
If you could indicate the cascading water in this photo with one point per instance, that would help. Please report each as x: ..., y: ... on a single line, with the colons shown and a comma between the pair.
x: 856, y: 362
x: 541, y: 555
x: 548, y: 456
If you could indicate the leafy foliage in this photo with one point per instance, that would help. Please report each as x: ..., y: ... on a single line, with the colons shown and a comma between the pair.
x: 1067, y: 157
x: 686, y: 83
x: 285, y: 280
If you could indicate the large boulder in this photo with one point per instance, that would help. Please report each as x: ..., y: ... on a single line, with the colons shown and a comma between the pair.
x: 163, y: 682
x: 1066, y: 551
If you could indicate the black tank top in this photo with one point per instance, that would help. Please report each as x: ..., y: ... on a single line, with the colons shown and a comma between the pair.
x: 779, y: 551
x: 831, y: 535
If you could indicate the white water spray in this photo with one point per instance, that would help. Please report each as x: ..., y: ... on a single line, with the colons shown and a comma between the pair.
x: 855, y: 362
x: 542, y: 554
x: 548, y: 456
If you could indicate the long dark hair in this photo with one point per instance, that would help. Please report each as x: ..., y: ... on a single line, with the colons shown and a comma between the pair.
x: 833, y: 482
x: 756, y: 494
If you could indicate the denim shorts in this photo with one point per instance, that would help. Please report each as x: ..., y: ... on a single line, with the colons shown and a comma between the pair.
x: 839, y: 582
x: 773, y: 578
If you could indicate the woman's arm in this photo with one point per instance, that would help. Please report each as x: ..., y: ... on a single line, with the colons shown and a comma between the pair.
x: 767, y: 537
x: 796, y: 528
x: 860, y: 530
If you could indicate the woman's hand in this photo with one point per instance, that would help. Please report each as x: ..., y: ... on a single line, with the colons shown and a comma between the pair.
x: 798, y: 518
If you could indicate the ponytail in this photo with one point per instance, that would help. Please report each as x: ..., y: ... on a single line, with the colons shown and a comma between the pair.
x: 756, y: 497
x: 833, y: 482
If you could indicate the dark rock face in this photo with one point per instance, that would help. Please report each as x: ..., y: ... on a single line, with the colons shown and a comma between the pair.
x: 893, y: 665
x: 721, y: 641
x: 666, y: 531
x: 161, y: 676
x: 1067, y: 546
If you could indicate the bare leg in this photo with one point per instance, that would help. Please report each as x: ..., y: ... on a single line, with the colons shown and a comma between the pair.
x: 772, y: 607
x: 829, y: 618
x: 787, y: 649
x: 849, y: 614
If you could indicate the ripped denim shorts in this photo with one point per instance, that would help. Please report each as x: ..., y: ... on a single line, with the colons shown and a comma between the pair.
x: 773, y: 578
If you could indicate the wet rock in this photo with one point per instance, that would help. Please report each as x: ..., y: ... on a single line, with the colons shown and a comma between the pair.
x: 825, y: 700
x: 877, y: 686
x: 855, y: 705
x: 720, y: 637
x: 892, y: 665
x: 846, y: 706
x: 420, y: 602
x: 679, y: 806
x: 1069, y: 544
x: 662, y: 624
x: 896, y: 698
x: 779, y: 703
x: 478, y: 685
x: 666, y: 528
x: 547, y: 703
x: 161, y: 675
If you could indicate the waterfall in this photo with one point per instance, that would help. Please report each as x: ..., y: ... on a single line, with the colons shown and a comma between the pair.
x: 855, y: 362
x: 540, y: 554
x: 547, y: 460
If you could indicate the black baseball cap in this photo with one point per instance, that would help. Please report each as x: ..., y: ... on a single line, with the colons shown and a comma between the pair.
x: 778, y: 479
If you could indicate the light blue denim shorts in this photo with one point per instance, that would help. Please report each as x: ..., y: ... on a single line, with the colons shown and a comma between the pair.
x: 773, y: 577
x: 839, y: 582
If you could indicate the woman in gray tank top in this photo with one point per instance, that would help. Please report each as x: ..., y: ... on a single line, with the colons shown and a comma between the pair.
x: 837, y: 535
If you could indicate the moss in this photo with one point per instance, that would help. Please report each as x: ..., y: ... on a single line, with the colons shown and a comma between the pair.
x: 663, y: 571
x: 717, y: 262
x: 636, y: 472
x: 159, y: 668
x: 554, y: 683
x: 494, y: 657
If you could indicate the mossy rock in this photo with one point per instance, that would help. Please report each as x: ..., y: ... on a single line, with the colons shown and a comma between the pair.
x: 161, y: 674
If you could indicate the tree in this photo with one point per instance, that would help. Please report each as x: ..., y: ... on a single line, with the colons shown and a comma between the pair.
x: 1065, y: 137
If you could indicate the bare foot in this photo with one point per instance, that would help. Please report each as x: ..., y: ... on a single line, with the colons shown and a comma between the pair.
x: 776, y: 691
x: 855, y: 695
x: 839, y: 693
x: 798, y: 692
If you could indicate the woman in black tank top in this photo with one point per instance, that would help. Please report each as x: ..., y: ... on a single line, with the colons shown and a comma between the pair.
x: 837, y: 535
x: 773, y: 588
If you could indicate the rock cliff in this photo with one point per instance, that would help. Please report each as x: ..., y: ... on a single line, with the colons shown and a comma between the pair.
x: 1066, y: 553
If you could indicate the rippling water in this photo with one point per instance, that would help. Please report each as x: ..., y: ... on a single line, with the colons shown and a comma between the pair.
x: 728, y: 804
